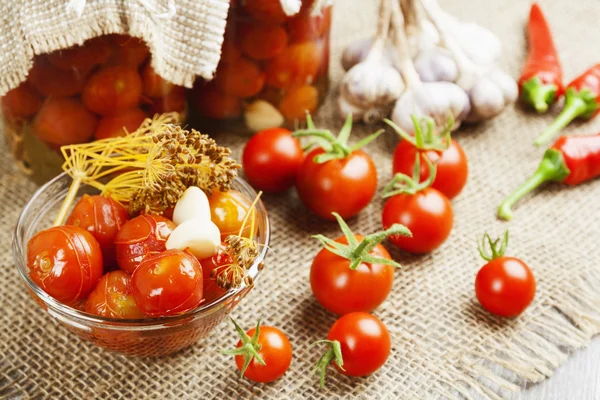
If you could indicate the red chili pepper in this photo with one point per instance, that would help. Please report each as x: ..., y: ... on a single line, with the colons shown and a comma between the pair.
x: 571, y: 160
x: 582, y: 99
x: 541, y: 79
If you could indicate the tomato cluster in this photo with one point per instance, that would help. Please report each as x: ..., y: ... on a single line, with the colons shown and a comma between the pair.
x: 269, y: 56
x: 115, y: 266
x: 94, y: 91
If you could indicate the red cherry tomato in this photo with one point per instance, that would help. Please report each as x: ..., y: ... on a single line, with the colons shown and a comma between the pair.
x: 103, y: 218
x: 262, y: 42
x: 154, y: 85
x: 168, y: 283
x: 265, y: 10
x: 82, y: 58
x: 342, y: 290
x: 305, y: 27
x: 119, y: 125
x: 65, y: 262
x: 213, y: 104
x: 52, y: 81
x: 276, y: 352
x: 129, y: 51
x: 63, y: 121
x: 365, y: 343
x: 297, y: 65
x: 271, y: 159
x: 452, y: 167
x: 345, y: 186
x: 141, y: 236
x: 505, y: 286
x: 212, y: 291
x: 22, y: 101
x: 113, y: 297
x: 228, y: 211
x: 241, y: 79
x: 298, y: 101
x: 112, y: 90
x: 427, y: 214
x: 172, y: 102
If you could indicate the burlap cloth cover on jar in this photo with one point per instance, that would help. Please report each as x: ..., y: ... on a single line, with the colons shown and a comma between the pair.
x: 444, y: 344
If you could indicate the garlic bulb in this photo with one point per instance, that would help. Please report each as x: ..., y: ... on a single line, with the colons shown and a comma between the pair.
x: 358, y: 50
x: 193, y: 204
x: 200, y: 237
x: 372, y: 82
x: 368, y: 116
x: 261, y: 114
x: 435, y: 65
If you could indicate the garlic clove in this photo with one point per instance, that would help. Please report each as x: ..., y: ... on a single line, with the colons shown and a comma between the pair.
x: 200, y: 237
x: 260, y: 115
x: 193, y: 204
x: 436, y: 65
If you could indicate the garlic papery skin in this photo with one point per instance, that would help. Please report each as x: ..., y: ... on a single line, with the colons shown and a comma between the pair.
x: 369, y: 115
x: 358, y: 50
x: 198, y: 236
x: 491, y: 94
x: 435, y: 65
x: 193, y: 204
x: 260, y: 115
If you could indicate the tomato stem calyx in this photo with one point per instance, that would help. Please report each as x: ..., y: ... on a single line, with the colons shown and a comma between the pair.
x: 333, y: 353
x: 404, y: 184
x: 497, y: 247
x: 334, y: 147
x: 425, y: 137
x: 249, y: 349
x: 357, y: 252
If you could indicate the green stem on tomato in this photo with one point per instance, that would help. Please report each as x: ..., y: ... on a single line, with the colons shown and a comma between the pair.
x: 404, y: 184
x: 577, y: 104
x: 249, y: 349
x: 428, y: 139
x: 552, y: 168
x: 332, y: 354
x: 493, y: 245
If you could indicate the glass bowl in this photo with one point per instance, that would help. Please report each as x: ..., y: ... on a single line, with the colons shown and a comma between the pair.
x: 142, y: 337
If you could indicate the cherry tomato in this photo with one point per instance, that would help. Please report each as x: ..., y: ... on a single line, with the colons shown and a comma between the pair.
x: 342, y: 290
x: 154, y: 85
x: 212, y: 291
x: 345, y: 186
x: 118, y: 125
x: 112, y: 90
x: 298, y: 101
x: 52, y: 81
x: 140, y: 237
x: 276, y: 352
x: 65, y: 262
x: 63, y: 121
x: 128, y: 51
x: 452, y: 168
x: 241, y: 79
x: 427, y: 214
x: 271, y: 159
x: 230, y: 51
x: 265, y: 10
x: 103, y: 218
x: 168, y: 283
x: 22, y: 101
x: 113, y: 297
x: 262, y: 42
x: 305, y: 27
x: 82, y: 58
x: 505, y: 286
x: 173, y: 102
x: 213, y: 104
x: 365, y: 343
x: 228, y: 211
x: 298, y: 64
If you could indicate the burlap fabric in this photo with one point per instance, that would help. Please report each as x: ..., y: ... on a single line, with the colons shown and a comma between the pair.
x: 185, y: 36
x: 444, y: 344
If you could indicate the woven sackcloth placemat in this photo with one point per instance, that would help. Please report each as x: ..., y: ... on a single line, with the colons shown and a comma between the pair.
x: 444, y: 344
x: 185, y: 36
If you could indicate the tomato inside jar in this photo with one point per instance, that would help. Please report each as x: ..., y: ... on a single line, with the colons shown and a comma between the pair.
x: 269, y: 59
x: 103, y: 88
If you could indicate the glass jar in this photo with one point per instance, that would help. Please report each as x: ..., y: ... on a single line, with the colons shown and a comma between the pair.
x: 97, y: 90
x: 273, y: 69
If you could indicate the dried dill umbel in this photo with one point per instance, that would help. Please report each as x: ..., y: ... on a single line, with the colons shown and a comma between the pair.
x: 150, y: 168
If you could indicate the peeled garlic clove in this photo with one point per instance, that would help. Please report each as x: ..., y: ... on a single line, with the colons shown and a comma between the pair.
x: 200, y: 237
x: 260, y: 115
x: 193, y: 204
